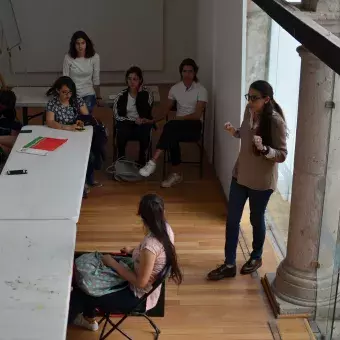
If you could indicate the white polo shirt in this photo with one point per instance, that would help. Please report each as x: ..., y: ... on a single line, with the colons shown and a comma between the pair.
x: 187, y: 98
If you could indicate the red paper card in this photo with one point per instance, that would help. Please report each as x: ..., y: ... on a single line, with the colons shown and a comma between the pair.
x: 49, y: 144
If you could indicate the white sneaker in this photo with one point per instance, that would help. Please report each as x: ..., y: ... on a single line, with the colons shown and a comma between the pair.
x: 172, y: 180
x: 82, y: 322
x: 148, y: 169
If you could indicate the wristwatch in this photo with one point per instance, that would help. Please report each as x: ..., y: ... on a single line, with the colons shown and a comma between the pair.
x: 265, y: 151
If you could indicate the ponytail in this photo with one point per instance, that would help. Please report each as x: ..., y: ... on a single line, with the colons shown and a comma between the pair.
x: 151, y: 210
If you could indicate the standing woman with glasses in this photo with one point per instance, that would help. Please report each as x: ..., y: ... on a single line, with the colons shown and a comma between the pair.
x: 263, y: 136
x: 82, y: 64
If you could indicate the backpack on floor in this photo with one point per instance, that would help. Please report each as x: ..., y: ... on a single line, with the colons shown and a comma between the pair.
x: 124, y: 170
x: 96, y: 279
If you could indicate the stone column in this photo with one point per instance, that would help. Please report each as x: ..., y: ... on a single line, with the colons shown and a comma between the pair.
x: 302, y: 283
x: 258, y: 39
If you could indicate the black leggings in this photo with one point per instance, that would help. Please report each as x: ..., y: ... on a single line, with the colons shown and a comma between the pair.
x: 126, y: 131
x: 119, y: 302
x: 176, y: 131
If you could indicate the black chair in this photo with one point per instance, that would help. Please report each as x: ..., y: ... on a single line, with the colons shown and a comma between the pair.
x: 26, y: 118
x: 138, y: 310
x: 199, y: 143
x: 114, y: 143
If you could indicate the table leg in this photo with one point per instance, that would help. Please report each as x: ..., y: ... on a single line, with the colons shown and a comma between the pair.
x: 25, y: 115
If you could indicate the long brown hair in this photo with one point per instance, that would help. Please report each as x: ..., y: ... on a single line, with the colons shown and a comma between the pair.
x: 265, y: 127
x: 89, y: 51
x: 151, y: 210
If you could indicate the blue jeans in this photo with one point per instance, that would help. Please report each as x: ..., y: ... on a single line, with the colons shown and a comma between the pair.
x: 258, y: 200
x: 90, y: 102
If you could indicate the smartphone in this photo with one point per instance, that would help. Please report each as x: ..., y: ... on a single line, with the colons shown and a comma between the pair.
x: 26, y: 131
x: 17, y: 172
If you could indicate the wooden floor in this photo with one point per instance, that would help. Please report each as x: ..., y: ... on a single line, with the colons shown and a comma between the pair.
x: 234, y: 309
x: 230, y: 309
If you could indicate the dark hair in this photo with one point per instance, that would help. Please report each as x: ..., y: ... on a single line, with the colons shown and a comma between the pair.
x: 8, y: 99
x: 59, y: 83
x: 137, y: 71
x: 264, y: 129
x: 189, y: 62
x: 151, y: 210
x: 89, y: 51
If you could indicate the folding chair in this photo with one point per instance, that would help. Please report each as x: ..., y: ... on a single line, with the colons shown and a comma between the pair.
x: 139, y: 309
x: 26, y: 118
x: 114, y: 144
x: 199, y: 143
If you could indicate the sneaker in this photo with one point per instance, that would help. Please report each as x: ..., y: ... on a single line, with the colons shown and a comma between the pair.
x: 82, y: 322
x: 96, y: 184
x: 148, y: 169
x: 172, y: 180
x: 251, y: 266
x: 222, y: 272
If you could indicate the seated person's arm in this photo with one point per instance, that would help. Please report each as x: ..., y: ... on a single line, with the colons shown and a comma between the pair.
x: 140, y: 279
x: 150, y: 107
x: 50, y: 122
x: 169, y: 105
x: 197, y: 115
x: 83, y: 110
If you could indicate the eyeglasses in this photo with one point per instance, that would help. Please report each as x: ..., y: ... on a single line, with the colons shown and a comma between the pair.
x: 252, y: 98
x: 66, y: 93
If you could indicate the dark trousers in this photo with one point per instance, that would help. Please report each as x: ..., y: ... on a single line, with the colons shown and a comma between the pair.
x: 127, y: 131
x: 120, y: 302
x: 258, y: 200
x: 176, y: 131
x: 90, y: 170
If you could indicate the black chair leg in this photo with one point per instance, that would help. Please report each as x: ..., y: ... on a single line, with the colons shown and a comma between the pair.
x: 157, y: 330
x: 114, y: 327
x: 165, y: 161
x: 104, y: 327
x: 201, y: 162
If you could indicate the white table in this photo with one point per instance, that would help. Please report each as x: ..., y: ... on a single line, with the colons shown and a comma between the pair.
x: 36, y: 97
x: 36, y: 261
x: 53, y: 186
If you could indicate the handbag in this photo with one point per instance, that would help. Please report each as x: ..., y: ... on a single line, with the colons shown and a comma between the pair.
x: 124, y: 170
x: 96, y: 279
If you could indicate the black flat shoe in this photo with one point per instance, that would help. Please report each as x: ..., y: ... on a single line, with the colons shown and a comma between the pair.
x: 222, y: 272
x: 251, y: 266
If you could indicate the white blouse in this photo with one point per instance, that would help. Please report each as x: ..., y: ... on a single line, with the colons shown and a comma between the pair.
x: 85, y: 72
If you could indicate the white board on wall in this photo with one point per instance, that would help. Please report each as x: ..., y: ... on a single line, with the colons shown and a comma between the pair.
x: 124, y: 32
x: 8, y: 24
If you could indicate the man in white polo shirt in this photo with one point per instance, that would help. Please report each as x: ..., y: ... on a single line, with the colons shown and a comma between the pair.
x: 190, y: 98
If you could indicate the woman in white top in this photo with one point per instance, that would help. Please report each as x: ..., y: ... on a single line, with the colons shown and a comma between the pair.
x: 82, y: 64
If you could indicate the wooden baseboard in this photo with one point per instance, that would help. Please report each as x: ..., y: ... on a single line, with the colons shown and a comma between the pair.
x: 274, y: 305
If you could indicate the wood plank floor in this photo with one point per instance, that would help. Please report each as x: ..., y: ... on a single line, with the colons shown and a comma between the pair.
x: 230, y: 309
x: 234, y: 309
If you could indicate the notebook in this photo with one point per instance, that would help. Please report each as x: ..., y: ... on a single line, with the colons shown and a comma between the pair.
x: 42, y: 145
x: 45, y: 143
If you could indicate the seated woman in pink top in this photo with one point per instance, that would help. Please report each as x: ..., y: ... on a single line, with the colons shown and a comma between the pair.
x: 150, y: 257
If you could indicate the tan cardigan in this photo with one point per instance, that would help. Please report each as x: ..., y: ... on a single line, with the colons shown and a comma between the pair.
x: 256, y: 171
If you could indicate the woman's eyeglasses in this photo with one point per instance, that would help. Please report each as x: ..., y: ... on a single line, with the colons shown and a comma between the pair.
x: 252, y: 98
x: 66, y: 93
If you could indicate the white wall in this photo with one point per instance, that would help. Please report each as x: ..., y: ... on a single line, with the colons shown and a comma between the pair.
x: 226, y: 59
x: 284, y: 75
x: 205, y: 47
x: 180, y: 18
